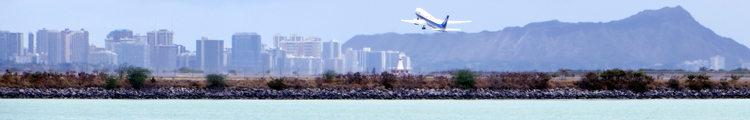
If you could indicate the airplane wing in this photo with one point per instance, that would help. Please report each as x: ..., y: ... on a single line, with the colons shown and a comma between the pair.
x: 457, y: 22
x: 415, y: 21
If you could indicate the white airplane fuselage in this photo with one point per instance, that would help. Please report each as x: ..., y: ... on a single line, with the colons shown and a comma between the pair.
x: 426, y: 19
x: 429, y: 20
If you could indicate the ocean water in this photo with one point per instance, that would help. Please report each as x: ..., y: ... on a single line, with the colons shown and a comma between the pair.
x: 660, y: 109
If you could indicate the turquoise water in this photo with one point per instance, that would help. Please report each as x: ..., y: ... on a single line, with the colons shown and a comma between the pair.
x: 375, y: 109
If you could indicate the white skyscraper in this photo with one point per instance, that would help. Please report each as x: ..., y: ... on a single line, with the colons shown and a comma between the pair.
x: 366, y: 60
x: 717, y: 63
x: 77, y: 46
x: 163, y: 52
x: 295, y: 46
x: 103, y: 57
x: 695, y: 65
x: 132, y: 53
x: 11, y: 44
x: 332, y: 59
x: 277, y: 38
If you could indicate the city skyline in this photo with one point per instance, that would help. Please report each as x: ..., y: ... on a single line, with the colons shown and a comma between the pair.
x: 338, y: 20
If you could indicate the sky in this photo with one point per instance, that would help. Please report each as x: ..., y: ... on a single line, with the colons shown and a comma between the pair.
x: 339, y: 20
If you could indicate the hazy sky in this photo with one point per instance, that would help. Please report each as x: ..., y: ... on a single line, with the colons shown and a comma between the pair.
x: 340, y: 20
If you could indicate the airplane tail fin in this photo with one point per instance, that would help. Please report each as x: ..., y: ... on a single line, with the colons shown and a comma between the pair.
x: 445, y: 22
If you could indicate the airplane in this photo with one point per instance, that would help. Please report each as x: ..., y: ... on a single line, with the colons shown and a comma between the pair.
x: 426, y: 19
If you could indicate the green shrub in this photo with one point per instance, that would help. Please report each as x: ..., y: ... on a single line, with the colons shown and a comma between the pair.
x: 216, y: 81
x: 135, y: 75
x: 7, y: 75
x: 276, y: 84
x: 464, y: 78
x: 111, y: 82
x: 329, y: 74
x: 36, y: 77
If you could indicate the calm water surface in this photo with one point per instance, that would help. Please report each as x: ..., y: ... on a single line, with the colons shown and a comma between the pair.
x: 375, y: 109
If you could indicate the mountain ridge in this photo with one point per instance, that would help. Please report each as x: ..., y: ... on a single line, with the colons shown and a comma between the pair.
x: 656, y: 39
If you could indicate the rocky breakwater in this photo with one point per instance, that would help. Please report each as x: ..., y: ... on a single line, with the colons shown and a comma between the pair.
x: 186, y: 93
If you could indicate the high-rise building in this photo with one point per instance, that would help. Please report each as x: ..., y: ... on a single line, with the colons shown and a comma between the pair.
x: 295, y: 46
x: 184, y: 59
x: 103, y: 58
x: 407, y: 62
x: 161, y: 37
x: 311, y: 47
x: 277, y: 39
x: 365, y: 60
x: 350, y: 61
x: 94, y: 48
x: 332, y: 49
x: 163, y: 52
x: 15, y: 44
x: 227, y: 56
x: 246, y: 50
x: 58, y: 43
x: 140, y: 38
x: 11, y: 44
x: 304, y: 65
x: 118, y: 36
x: 132, y: 53
x: 694, y: 65
x: 210, y: 54
x: 4, y: 46
x: 180, y: 49
x: 76, y: 46
x: 294, y: 37
x: 332, y: 59
x: 163, y: 57
x: 194, y: 62
x: 717, y: 63
x: 48, y: 46
x: 265, y: 61
x: 375, y: 61
x: 31, y: 43
x: 278, y: 56
x: 335, y: 64
x: 745, y: 66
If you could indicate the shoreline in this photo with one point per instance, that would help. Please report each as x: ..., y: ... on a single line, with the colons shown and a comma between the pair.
x: 361, y: 94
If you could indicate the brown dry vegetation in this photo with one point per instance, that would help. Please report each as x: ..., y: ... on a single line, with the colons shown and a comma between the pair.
x: 51, y: 80
x: 508, y: 80
x: 486, y: 80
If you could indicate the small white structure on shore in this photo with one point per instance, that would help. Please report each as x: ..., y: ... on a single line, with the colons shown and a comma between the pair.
x: 400, y: 69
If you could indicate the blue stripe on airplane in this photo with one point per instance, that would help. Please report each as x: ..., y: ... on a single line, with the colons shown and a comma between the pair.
x: 430, y: 22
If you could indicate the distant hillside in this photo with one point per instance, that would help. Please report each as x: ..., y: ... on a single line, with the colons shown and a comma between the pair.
x: 657, y: 39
